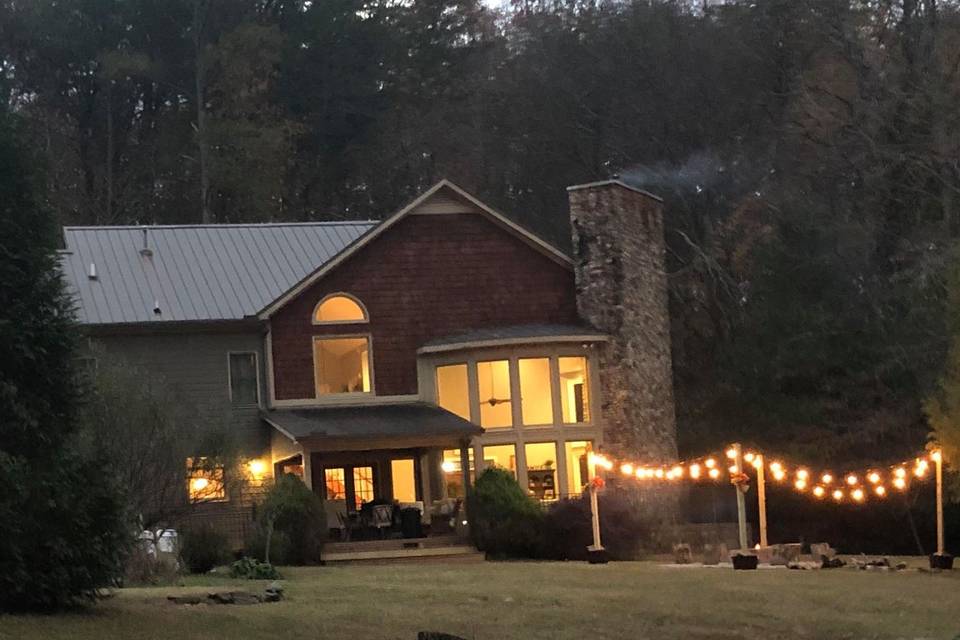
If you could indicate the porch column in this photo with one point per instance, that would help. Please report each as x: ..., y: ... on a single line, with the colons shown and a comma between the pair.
x: 307, y: 468
x: 465, y: 465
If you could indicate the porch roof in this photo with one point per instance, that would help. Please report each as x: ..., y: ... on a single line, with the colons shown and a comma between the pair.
x: 371, y: 426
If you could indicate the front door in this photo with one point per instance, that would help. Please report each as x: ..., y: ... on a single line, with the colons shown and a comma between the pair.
x: 354, y: 485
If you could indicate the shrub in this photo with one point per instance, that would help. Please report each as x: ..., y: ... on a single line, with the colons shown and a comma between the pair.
x: 568, y: 530
x: 202, y: 549
x: 252, y: 569
x: 293, y: 511
x: 503, y: 520
x: 280, y: 546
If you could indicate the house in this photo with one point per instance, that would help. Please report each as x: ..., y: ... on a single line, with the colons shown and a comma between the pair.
x: 396, y: 359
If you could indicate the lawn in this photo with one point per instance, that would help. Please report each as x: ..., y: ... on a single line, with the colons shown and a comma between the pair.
x: 499, y: 601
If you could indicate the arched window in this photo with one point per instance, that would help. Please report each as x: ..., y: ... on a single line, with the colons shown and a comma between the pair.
x: 339, y: 308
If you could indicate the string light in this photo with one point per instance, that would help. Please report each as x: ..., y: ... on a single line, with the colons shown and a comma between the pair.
x: 677, y: 471
x: 800, y: 484
x: 658, y: 473
x: 819, y: 491
x: 802, y: 474
x: 694, y: 471
x: 880, y: 490
x: 757, y: 462
x: 826, y: 478
x: 857, y: 494
x: 714, y: 473
x: 838, y: 495
x: 851, y: 479
x: 899, y: 483
x: 733, y: 469
x: 732, y: 453
x: 936, y: 456
x: 627, y: 469
x: 710, y: 463
x: 874, y: 477
x: 749, y: 456
x: 900, y: 472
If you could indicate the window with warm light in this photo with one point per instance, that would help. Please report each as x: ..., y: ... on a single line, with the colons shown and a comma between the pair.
x: 536, y: 392
x: 542, y: 470
x: 579, y: 471
x: 452, y: 393
x: 493, y: 381
x: 362, y: 485
x: 503, y: 456
x: 205, y: 482
x: 335, y: 483
x: 574, y: 389
x: 453, y: 472
x: 339, y: 309
x: 404, y: 479
x: 341, y: 365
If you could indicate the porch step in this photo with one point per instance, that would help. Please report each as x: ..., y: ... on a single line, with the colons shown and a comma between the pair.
x: 443, y: 554
x: 431, y: 542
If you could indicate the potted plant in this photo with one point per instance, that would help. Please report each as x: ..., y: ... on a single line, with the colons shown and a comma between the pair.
x: 941, y: 561
x: 744, y: 561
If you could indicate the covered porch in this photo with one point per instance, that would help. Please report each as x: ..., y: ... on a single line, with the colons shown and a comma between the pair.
x: 374, y: 465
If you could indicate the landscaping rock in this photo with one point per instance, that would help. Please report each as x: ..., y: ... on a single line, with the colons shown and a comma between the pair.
x: 831, y: 563
x: 714, y: 554
x: 437, y: 635
x: 682, y: 553
x: 822, y: 549
x: 185, y: 599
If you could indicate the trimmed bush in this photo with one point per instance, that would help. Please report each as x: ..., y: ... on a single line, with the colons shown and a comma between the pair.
x: 504, y: 521
x: 252, y: 569
x: 202, y: 549
x: 567, y: 529
x: 292, y: 520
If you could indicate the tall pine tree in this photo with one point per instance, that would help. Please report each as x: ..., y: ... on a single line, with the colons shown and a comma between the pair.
x: 62, y: 522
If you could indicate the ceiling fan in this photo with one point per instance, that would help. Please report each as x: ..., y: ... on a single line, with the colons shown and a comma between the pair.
x: 495, y: 401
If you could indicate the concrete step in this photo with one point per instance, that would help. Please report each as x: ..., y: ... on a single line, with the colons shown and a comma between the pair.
x: 431, y: 542
x: 458, y: 553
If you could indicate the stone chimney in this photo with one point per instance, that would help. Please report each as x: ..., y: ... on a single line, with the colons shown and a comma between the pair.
x: 619, y: 258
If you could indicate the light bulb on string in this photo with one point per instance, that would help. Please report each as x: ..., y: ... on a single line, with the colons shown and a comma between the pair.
x: 857, y: 494
x: 838, y: 495
x: 749, y: 456
x: 873, y: 477
x: 900, y: 472
x: 733, y: 469
x: 694, y: 471
x: 732, y: 453
x: 852, y: 479
x: 900, y: 483
x: 800, y: 484
x: 802, y: 474
x: 627, y: 469
x: 936, y: 455
x: 826, y: 478
x: 819, y: 491
x: 677, y: 471
x: 880, y: 490
x: 710, y: 463
x: 714, y: 473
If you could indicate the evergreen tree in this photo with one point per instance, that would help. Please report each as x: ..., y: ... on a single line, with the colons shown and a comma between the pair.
x: 62, y: 523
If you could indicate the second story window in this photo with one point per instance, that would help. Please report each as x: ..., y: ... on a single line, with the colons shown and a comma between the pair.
x: 339, y: 308
x: 341, y: 365
x: 493, y: 380
x: 452, y: 393
x: 243, y: 379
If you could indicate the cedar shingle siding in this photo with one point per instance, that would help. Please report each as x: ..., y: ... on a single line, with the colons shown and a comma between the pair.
x: 426, y: 277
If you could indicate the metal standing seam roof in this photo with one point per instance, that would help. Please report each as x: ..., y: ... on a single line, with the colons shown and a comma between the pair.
x: 194, y: 272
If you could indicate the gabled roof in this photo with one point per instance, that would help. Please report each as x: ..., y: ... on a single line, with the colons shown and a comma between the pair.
x: 443, y: 197
x: 207, y: 273
x: 194, y: 273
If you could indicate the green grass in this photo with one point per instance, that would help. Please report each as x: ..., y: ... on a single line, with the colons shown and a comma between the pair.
x: 499, y: 601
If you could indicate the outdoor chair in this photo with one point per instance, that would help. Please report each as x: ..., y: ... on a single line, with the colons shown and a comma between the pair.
x: 381, y: 517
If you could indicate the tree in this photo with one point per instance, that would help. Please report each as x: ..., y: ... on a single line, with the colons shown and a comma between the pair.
x: 62, y: 520
x: 157, y: 442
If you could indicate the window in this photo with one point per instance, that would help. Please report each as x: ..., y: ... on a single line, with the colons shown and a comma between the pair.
x: 339, y: 309
x: 536, y: 393
x: 205, y: 481
x: 404, y: 480
x: 452, y: 393
x: 335, y: 483
x: 579, y: 470
x: 243, y: 378
x: 453, y: 472
x: 542, y: 469
x: 493, y: 379
x: 362, y: 485
x: 503, y: 456
x: 341, y: 365
x: 574, y: 390
x: 292, y: 466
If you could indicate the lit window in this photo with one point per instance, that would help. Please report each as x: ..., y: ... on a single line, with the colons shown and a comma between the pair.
x: 292, y: 466
x: 243, y: 378
x: 335, y: 484
x: 542, y: 469
x: 574, y: 390
x: 503, y: 456
x: 453, y: 472
x: 362, y: 485
x: 404, y: 480
x: 536, y: 394
x: 452, y: 392
x: 493, y: 379
x: 205, y: 481
x: 339, y: 309
x: 579, y: 470
x: 341, y: 365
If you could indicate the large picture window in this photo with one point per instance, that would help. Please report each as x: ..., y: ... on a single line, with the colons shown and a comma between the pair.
x: 452, y: 393
x: 536, y: 394
x: 496, y: 406
x: 574, y: 389
x: 503, y: 456
x: 341, y: 365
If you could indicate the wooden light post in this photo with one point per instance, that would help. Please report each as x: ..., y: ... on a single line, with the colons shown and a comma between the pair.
x: 596, y: 554
x: 741, y: 506
x: 941, y: 559
x: 762, y: 499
